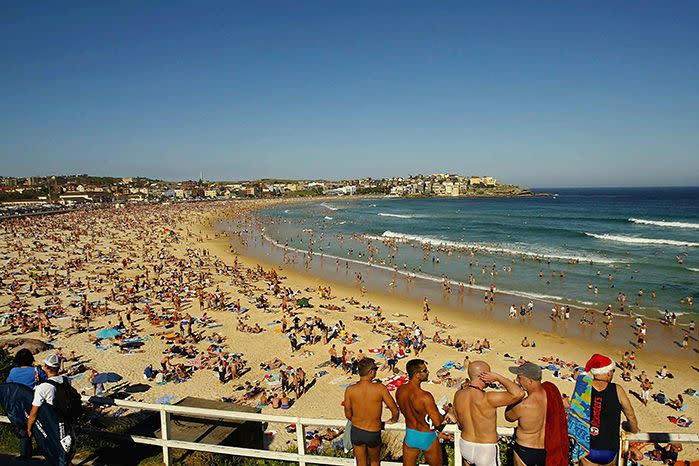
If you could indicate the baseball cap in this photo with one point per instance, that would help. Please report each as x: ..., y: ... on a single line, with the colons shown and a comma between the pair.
x: 528, y: 370
x: 53, y: 361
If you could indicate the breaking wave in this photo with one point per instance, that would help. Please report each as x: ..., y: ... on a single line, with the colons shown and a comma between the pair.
x: 381, y: 214
x: 663, y: 223
x: 490, y: 248
x: 636, y: 240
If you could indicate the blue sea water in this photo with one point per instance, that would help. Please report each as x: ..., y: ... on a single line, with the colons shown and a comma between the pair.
x: 617, y: 240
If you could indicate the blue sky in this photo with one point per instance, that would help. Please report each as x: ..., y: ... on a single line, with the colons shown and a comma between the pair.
x: 534, y: 93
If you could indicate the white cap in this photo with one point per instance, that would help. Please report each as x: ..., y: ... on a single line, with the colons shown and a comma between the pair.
x: 53, y: 361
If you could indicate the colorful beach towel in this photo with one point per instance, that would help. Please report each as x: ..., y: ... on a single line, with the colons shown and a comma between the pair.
x: 165, y: 400
x: 395, y: 381
x: 453, y: 365
x: 579, y: 417
x: 681, y: 421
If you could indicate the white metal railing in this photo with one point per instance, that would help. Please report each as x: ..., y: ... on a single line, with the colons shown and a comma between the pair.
x: 300, y: 457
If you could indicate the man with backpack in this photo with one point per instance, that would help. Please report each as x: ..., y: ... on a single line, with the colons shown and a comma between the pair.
x: 62, y: 398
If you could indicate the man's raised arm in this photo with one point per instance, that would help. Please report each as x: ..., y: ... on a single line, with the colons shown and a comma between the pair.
x: 513, y: 394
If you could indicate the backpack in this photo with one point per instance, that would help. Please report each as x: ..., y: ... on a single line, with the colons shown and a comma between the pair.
x: 67, y: 402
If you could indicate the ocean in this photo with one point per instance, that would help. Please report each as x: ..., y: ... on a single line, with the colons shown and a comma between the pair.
x: 582, y: 247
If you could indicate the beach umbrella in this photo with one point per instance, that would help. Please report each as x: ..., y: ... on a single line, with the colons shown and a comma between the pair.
x: 106, y: 377
x: 108, y: 333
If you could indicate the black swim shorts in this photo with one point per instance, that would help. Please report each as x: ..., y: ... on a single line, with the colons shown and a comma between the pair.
x: 364, y: 437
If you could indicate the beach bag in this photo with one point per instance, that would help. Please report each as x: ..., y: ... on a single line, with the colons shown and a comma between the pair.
x: 67, y: 402
x: 660, y: 398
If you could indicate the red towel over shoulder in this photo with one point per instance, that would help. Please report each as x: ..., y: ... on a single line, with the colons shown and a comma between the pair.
x: 556, y: 440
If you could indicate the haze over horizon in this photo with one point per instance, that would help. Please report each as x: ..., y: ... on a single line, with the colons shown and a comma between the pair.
x: 532, y: 94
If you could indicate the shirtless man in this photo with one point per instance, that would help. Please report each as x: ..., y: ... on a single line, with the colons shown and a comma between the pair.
x: 530, y: 414
x: 417, y: 405
x: 476, y: 414
x: 363, y: 406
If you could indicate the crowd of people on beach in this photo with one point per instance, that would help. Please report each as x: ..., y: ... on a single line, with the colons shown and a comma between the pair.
x: 75, y: 279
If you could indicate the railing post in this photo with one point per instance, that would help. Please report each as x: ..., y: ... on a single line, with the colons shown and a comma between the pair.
x: 623, y: 446
x: 301, y: 441
x: 457, y: 448
x: 165, y: 434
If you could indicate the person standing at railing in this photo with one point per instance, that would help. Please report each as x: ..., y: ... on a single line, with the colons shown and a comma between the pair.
x: 66, y: 404
x: 363, y: 403
x: 422, y: 417
x: 595, y: 416
x: 476, y: 413
x: 541, y: 437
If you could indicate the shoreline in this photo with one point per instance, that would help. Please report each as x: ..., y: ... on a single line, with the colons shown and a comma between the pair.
x: 651, y: 315
x: 662, y: 338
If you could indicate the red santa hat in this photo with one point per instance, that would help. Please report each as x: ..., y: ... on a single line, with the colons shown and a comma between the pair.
x: 599, y: 364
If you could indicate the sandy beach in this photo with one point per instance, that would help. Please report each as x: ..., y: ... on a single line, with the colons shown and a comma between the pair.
x: 159, y: 265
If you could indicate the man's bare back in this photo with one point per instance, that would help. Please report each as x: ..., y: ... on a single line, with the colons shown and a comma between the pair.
x: 363, y: 407
x: 413, y: 402
x: 417, y: 404
x: 476, y: 409
x: 531, y: 417
x: 366, y: 400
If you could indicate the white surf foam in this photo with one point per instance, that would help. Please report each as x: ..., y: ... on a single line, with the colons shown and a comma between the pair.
x: 663, y: 223
x: 490, y: 248
x: 327, y: 218
x: 425, y: 276
x: 637, y: 240
x: 537, y: 296
x: 329, y: 207
x: 692, y: 269
x: 381, y: 214
x: 677, y: 313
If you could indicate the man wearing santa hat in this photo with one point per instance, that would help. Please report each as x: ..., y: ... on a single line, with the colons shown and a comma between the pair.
x: 607, y: 402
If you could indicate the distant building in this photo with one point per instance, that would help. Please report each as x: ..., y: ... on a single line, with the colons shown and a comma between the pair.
x: 342, y: 191
x: 253, y: 191
x: 74, y: 197
x: 438, y: 189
